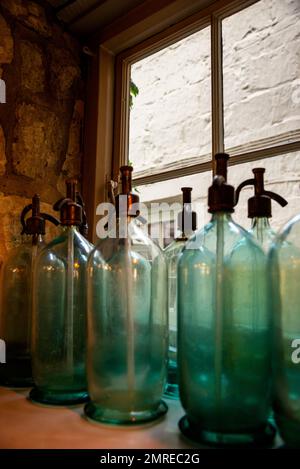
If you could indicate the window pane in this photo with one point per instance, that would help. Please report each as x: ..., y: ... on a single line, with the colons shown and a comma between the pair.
x: 170, y: 119
x: 261, y: 63
x: 165, y: 221
x: 282, y: 176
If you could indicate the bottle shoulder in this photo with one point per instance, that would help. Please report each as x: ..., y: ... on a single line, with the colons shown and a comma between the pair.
x: 221, y: 236
x: 58, y: 249
x: 286, y: 244
x: 174, y: 248
x: 265, y: 237
x: 268, y: 232
x: 137, y: 243
x: 230, y: 232
x: 63, y: 238
x: 290, y: 233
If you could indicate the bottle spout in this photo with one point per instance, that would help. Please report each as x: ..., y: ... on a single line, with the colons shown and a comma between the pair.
x: 260, y: 204
x: 126, y: 179
x: 35, y: 224
x: 278, y: 198
x: 84, y: 227
x: 71, y: 187
x: 259, y: 185
x: 70, y: 210
x: 131, y: 199
x: 221, y: 160
x: 36, y: 206
x: 186, y: 195
x: 221, y: 194
x: 247, y: 182
x: 187, y: 219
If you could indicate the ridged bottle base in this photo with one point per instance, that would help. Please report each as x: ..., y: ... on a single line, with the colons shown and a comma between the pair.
x: 262, y: 437
x: 101, y: 415
x: 58, y: 398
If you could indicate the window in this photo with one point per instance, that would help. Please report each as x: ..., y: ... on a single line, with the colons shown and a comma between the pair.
x: 169, y: 191
x: 170, y: 120
x: 235, y: 87
x: 261, y: 70
x: 174, y: 129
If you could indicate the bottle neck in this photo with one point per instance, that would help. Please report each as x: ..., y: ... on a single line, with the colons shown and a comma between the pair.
x: 67, y: 228
x: 32, y: 239
x: 262, y: 231
x: 221, y: 216
x: 37, y: 239
x: 260, y: 223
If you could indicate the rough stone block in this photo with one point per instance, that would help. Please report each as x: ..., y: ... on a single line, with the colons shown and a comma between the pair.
x: 2, y: 152
x: 38, y: 141
x: 64, y: 72
x: 72, y: 163
x: 29, y: 13
x: 6, y: 42
x: 15, y: 7
x: 32, y: 68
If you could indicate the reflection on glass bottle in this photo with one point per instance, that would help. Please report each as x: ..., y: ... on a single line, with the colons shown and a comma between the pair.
x: 284, y: 265
x: 59, y: 315
x: 16, y: 297
x: 260, y: 209
x: 186, y: 224
x: 224, y: 335
x: 127, y: 321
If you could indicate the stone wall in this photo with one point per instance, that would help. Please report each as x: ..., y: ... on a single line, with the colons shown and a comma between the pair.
x: 41, y: 121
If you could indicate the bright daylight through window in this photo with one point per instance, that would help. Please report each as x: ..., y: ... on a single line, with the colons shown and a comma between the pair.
x: 171, y: 116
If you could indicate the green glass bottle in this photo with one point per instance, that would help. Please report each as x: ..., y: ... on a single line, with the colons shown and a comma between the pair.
x: 284, y: 266
x: 59, y: 313
x: 187, y: 225
x: 224, y: 334
x: 16, y: 297
x: 260, y: 209
x: 127, y: 320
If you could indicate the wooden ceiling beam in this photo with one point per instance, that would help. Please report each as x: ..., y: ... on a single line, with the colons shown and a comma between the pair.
x: 86, y: 12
